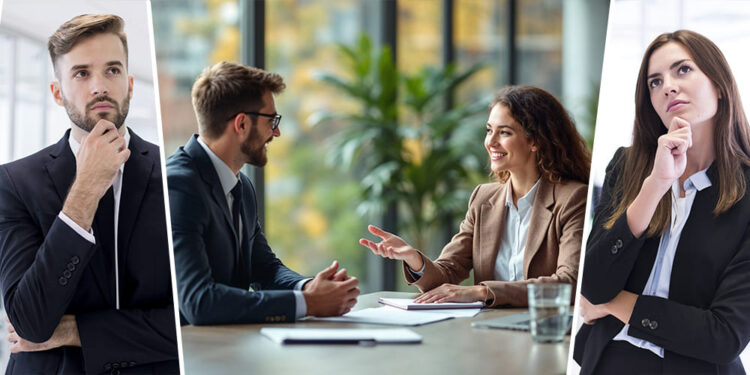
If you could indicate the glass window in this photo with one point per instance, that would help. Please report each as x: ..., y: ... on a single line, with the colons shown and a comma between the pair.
x: 311, y: 206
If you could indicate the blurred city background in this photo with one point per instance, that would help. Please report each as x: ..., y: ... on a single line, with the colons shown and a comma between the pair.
x: 384, y: 109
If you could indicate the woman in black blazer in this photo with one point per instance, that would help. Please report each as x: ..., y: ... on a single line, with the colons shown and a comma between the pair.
x: 666, y: 279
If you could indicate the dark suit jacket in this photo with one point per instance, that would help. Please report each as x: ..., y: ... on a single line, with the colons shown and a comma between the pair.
x: 553, y: 244
x: 705, y: 323
x: 47, y: 269
x: 213, y: 271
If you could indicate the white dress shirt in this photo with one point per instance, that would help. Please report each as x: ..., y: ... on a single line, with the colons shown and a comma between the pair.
x: 658, y: 280
x: 228, y: 180
x: 117, y: 190
x: 509, y: 261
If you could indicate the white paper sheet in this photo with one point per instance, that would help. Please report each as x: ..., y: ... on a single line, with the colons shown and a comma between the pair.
x: 319, y: 335
x: 389, y: 316
x: 408, y: 304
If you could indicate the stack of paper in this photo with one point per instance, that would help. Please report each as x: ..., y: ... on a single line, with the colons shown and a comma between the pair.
x: 408, y: 304
x: 340, y: 336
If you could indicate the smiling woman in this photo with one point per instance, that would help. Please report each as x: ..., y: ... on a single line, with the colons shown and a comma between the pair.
x: 667, y: 266
x: 524, y: 228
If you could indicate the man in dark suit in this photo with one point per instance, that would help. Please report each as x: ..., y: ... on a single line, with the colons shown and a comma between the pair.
x: 84, y: 261
x: 220, y: 249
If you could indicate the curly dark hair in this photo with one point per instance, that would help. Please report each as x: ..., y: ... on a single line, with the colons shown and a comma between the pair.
x: 562, y: 154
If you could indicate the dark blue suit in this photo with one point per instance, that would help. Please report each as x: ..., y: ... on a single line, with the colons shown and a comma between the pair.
x: 47, y: 269
x: 214, y: 270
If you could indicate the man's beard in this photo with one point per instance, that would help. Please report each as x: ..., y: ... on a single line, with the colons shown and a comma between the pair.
x: 255, y: 156
x: 87, y: 123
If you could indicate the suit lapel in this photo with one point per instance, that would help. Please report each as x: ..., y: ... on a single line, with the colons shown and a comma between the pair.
x: 209, y: 175
x: 491, y: 220
x: 62, y: 170
x: 135, y: 180
x: 541, y: 217
x: 61, y: 167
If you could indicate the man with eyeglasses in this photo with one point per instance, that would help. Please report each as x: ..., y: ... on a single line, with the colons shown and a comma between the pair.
x: 226, y: 271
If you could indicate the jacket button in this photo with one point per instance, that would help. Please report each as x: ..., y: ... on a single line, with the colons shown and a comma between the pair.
x: 614, y: 249
x: 618, y: 243
x: 62, y: 280
x: 107, y: 366
x: 75, y: 259
x: 71, y: 267
x: 67, y: 274
x: 653, y: 325
x: 645, y: 322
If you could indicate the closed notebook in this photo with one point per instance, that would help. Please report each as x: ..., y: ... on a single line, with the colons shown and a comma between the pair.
x: 341, y: 336
x: 408, y: 304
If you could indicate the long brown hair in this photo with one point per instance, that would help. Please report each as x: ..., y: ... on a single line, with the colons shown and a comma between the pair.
x: 731, y: 132
x: 562, y: 153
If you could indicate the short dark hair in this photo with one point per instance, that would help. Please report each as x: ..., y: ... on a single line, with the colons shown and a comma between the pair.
x: 226, y: 89
x: 82, y: 27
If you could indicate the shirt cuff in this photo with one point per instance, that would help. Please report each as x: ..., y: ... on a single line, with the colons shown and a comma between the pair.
x: 416, y: 275
x: 301, y: 306
x: 301, y: 283
x: 88, y: 236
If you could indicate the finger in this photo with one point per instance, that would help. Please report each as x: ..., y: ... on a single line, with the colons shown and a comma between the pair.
x: 369, y: 244
x: 349, y: 284
x: 379, y: 232
x: 340, y: 275
x: 350, y: 303
x: 124, y: 155
x: 678, y: 123
x: 13, y: 337
x: 329, y: 271
x: 382, y: 251
x: 104, y: 126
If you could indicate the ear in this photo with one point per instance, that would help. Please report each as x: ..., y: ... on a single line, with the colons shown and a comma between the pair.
x: 239, y: 124
x: 130, y: 87
x: 534, y: 147
x: 54, y: 88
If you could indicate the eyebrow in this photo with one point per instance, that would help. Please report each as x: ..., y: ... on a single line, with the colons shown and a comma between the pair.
x: 86, y: 66
x: 674, y: 65
x: 501, y: 126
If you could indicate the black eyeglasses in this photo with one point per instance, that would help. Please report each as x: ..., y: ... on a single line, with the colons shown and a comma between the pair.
x: 276, y: 118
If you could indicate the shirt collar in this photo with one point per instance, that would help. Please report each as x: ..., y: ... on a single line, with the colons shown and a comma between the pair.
x: 75, y: 145
x: 227, y: 178
x: 524, y: 202
x: 698, y: 181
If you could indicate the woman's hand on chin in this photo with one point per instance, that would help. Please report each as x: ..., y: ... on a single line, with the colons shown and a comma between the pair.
x: 454, y: 293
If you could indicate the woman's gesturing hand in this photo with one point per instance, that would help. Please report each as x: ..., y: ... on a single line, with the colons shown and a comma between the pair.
x: 393, y: 247
x: 671, y: 153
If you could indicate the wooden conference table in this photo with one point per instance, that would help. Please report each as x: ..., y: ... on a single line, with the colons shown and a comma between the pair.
x: 448, y: 347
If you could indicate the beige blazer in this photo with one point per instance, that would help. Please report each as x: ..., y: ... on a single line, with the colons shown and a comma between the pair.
x: 553, y: 243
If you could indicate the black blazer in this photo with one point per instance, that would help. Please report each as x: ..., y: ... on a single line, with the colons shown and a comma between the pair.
x: 213, y: 272
x: 47, y: 269
x: 705, y: 323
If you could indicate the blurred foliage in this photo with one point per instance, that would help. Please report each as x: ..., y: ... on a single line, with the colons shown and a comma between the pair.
x: 402, y: 143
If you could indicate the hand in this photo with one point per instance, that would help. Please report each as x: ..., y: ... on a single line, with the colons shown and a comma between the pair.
x: 591, y: 312
x: 101, y: 154
x: 328, y: 295
x: 454, y: 293
x: 671, y: 153
x: 393, y: 247
x: 66, y: 334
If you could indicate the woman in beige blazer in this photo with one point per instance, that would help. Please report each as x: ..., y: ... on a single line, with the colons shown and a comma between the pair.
x: 527, y: 226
